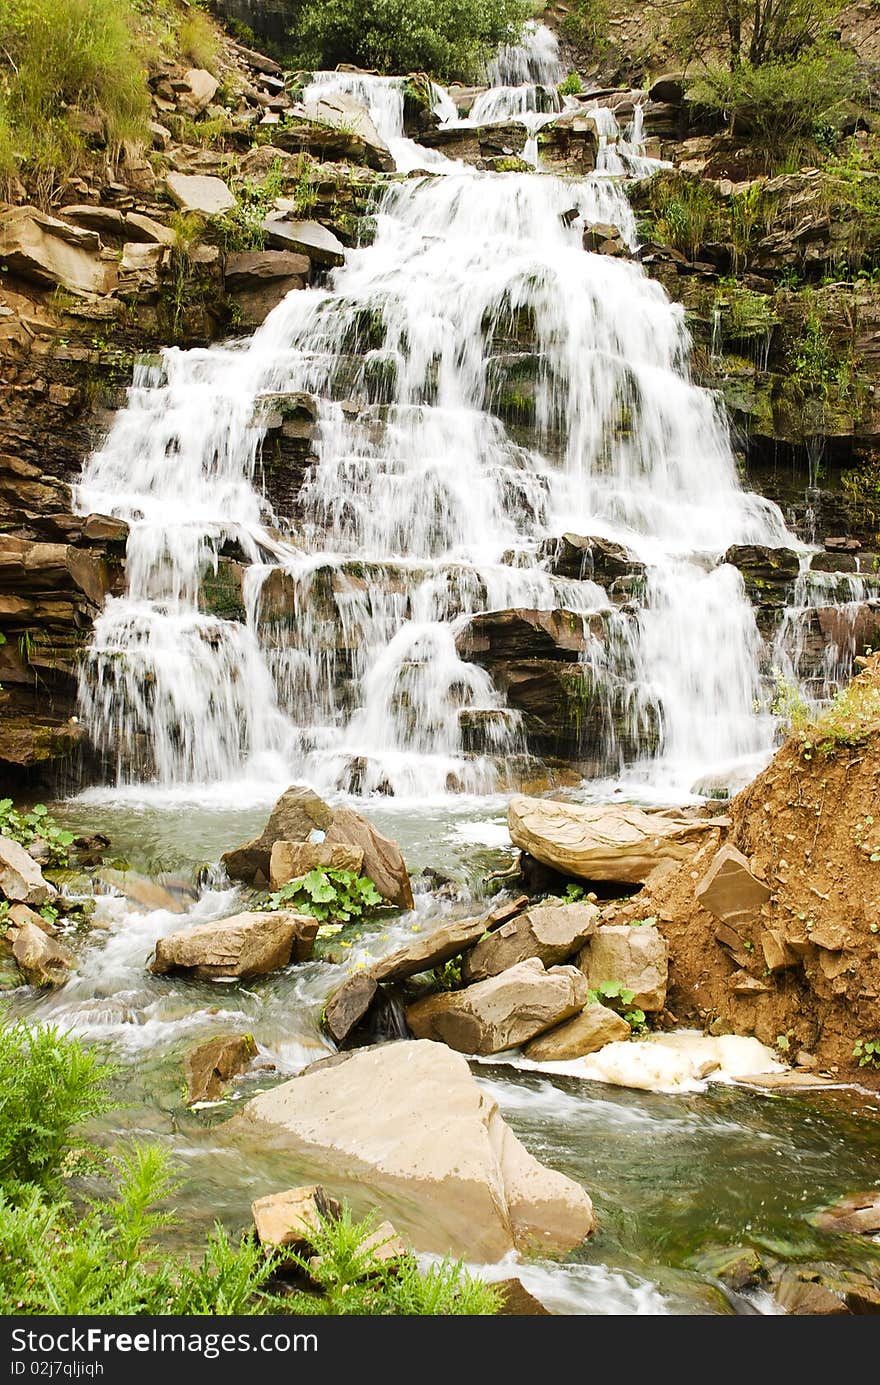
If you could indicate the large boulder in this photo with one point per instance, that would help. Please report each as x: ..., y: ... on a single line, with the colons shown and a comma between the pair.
x: 599, y: 560
x: 502, y: 1012
x: 200, y: 192
x: 21, y: 880
x: 637, y: 957
x: 730, y: 890
x: 291, y: 860
x: 407, y: 1125
x: 197, y: 90
x: 594, y: 841
x: 244, y: 945
x: 552, y: 932
x: 43, y: 961
x: 587, y: 1032
x: 52, y: 252
x: 383, y: 862
x: 343, y: 112
x: 307, y: 238
x: 298, y: 813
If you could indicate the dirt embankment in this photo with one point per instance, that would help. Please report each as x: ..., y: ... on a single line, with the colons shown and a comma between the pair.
x: 803, y: 972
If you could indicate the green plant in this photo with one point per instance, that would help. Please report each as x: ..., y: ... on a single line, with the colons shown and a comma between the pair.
x: 751, y: 32
x: 570, y: 85
x: 573, y: 893
x: 586, y: 25
x: 198, y: 39
x: 612, y: 990
x: 787, y: 702
x: 334, y: 896
x: 868, y: 1053
x: 862, y: 484
x: 242, y: 228
x: 685, y: 212
x: 448, y: 38
x: 48, y: 1084
x: 35, y: 824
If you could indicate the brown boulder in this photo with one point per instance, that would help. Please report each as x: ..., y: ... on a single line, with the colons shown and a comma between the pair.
x: 292, y: 860
x: 637, y: 957
x: 43, y: 961
x: 383, y: 862
x: 729, y: 889
x: 292, y: 1219
x: 348, y: 1005
x: 503, y: 1012
x: 53, y: 252
x: 21, y: 880
x: 589, y: 1031
x: 431, y: 950
x: 209, y: 1067
x: 552, y: 932
x: 249, y: 944
x: 858, y: 1214
x: 294, y: 817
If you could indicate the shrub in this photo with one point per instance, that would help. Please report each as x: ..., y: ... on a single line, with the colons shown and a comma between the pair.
x: 448, y: 38
x: 198, y: 40
x: 59, y: 53
x: 48, y: 1084
x: 685, y: 212
x: 586, y: 25
x: 571, y: 85
x: 335, y: 896
x: 751, y: 31
x: 36, y: 824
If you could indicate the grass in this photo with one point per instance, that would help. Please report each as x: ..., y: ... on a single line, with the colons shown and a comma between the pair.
x: 198, y: 40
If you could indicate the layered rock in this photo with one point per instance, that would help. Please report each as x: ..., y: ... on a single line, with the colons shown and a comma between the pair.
x: 552, y: 933
x: 244, y: 945
x: 586, y: 1033
x: 406, y: 1122
x: 635, y: 956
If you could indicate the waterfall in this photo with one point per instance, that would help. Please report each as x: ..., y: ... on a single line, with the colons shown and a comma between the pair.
x: 534, y: 59
x: 421, y: 508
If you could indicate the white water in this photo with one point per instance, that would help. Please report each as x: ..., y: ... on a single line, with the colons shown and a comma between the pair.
x: 423, y: 508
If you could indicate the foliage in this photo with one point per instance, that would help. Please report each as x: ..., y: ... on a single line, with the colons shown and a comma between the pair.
x: 67, y: 53
x: 868, y: 1053
x: 685, y: 212
x: 334, y: 896
x: 751, y: 31
x: 573, y: 892
x: 353, y: 1282
x: 570, y: 85
x: 851, y: 184
x: 198, y: 40
x: 448, y: 38
x: 36, y: 824
x: 619, y: 997
x: 242, y: 228
x: 780, y: 104
x: 188, y: 228
x: 862, y: 484
x: 788, y: 702
x: 48, y: 1084
x: 586, y: 25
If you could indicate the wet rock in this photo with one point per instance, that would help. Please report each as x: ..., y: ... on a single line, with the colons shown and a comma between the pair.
x: 293, y: 1219
x: 768, y: 573
x: 587, y: 1032
x: 802, y: 1293
x: 602, y: 841
x: 552, y: 933
x: 599, y: 560
x: 383, y: 862
x: 140, y: 890
x: 344, y: 112
x: 730, y: 890
x: 858, y: 1214
x: 249, y: 944
x: 52, y: 252
x: 292, y: 860
x: 298, y: 813
x: 517, y: 1302
x: 502, y: 1012
x: 306, y: 238
x: 20, y: 914
x: 739, y: 1267
x: 636, y: 957
x: 431, y: 949
x: 43, y: 961
x: 349, y: 1005
x: 21, y: 880
x: 522, y: 634
x: 200, y: 192
x: 212, y: 1065
x: 408, y: 1121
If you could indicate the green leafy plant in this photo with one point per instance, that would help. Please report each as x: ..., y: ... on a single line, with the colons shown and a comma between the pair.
x: 868, y: 1053
x: 612, y: 990
x: 586, y: 26
x: 570, y: 85
x: 573, y: 893
x: 35, y: 824
x: 333, y: 896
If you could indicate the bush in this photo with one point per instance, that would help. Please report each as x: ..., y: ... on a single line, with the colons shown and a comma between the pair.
x: 334, y: 896
x: 752, y: 31
x: 448, y: 38
x: 780, y: 104
x: 198, y: 40
x: 35, y: 825
x: 81, y: 53
x: 586, y: 25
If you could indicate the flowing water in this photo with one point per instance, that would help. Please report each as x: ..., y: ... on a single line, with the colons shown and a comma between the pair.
x: 422, y: 508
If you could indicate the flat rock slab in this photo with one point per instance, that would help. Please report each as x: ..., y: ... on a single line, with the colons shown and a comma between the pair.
x: 587, y: 1032
x: 730, y: 890
x: 209, y: 1067
x: 248, y: 944
x: 199, y: 192
x: 603, y: 841
x: 292, y: 860
x: 308, y: 238
x: 407, y: 1123
x: 503, y: 1012
x: 636, y: 957
x: 51, y: 252
x: 251, y: 268
x: 858, y: 1214
x: 552, y: 932
x: 21, y: 880
x: 431, y: 950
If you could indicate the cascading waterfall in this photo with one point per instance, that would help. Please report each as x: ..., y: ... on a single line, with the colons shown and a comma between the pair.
x: 535, y: 59
x: 423, y: 509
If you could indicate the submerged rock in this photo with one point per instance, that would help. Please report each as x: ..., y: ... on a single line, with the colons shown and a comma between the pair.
x: 21, y: 880
x: 407, y: 1122
x: 249, y: 944
x: 349, y: 1005
x: 502, y: 1012
x: 209, y: 1067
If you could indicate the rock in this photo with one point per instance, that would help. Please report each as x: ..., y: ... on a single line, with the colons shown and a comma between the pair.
x: 553, y: 932
x: 348, y: 1006
x: 383, y: 862
x: 140, y: 890
x: 202, y: 90
x: 200, y: 192
x: 344, y: 112
x: 297, y: 814
x: 602, y: 841
x: 801, y: 1293
x: 729, y: 889
x: 670, y: 88
x: 307, y: 238
x: 384, y: 1244
x: 517, y: 1302
x: 51, y: 252
x: 777, y: 953
x: 636, y: 957
x: 768, y: 573
x: 857, y: 1214
x: 105, y: 220
x: 21, y: 880
x: 291, y: 860
x: 589, y: 1031
x: 522, y: 634
x: 20, y: 914
x: 251, y: 268
x: 739, y: 1267
x: 503, y: 1012
x: 292, y: 1219
x: 408, y: 1121
x: 598, y: 560
x: 244, y: 945
x: 43, y: 961
x: 210, y: 1066
x: 140, y: 227
x: 431, y: 949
